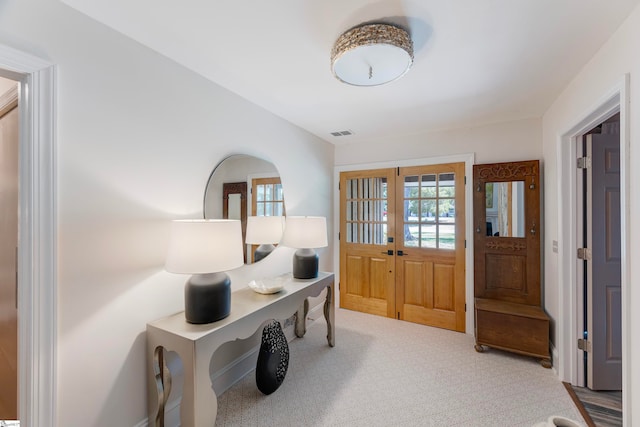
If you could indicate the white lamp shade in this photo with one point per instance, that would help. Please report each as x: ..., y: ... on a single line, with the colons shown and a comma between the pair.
x: 264, y: 229
x: 305, y: 232
x: 204, y: 246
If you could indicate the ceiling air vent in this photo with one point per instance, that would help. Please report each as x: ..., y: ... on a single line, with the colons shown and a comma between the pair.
x: 342, y: 133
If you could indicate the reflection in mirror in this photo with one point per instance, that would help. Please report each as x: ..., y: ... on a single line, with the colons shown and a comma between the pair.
x: 242, y: 186
x: 264, y: 231
x: 505, y: 208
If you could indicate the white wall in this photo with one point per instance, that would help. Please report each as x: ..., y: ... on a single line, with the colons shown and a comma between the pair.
x: 501, y: 142
x: 137, y: 139
x: 588, y: 90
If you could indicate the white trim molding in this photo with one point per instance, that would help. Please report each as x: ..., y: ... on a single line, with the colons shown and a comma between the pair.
x: 569, y: 368
x: 37, y: 235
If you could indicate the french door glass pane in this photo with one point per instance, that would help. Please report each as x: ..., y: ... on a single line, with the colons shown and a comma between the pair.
x: 428, y: 233
x: 446, y: 185
x: 429, y: 211
x: 428, y: 188
x: 366, y: 213
x: 447, y: 236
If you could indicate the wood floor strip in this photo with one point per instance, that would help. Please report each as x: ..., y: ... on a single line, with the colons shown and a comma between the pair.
x: 581, y: 408
x: 599, y: 408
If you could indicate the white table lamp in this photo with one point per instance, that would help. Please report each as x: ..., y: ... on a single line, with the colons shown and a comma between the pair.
x: 305, y: 233
x: 264, y: 231
x: 205, y: 248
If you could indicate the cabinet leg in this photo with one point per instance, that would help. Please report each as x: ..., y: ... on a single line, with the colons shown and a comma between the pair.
x: 479, y: 348
x: 546, y: 363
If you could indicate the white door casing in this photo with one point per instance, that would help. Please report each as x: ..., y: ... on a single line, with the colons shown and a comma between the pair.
x: 568, y: 330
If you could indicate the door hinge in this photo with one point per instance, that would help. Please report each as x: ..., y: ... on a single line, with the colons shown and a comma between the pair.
x: 584, y: 345
x: 583, y: 162
x: 584, y: 253
x: 398, y: 315
x: 465, y: 243
x: 465, y: 180
x: 465, y: 307
x: 338, y: 236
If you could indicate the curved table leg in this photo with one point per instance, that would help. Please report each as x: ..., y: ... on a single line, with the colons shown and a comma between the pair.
x: 330, y: 315
x: 301, y: 319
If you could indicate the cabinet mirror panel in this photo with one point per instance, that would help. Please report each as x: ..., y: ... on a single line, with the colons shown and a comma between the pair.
x: 242, y: 186
x: 505, y: 209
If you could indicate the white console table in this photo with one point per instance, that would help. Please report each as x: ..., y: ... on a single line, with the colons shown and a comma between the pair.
x: 196, y: 344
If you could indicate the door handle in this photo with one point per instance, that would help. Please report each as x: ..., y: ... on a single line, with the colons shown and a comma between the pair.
x: 389, y: 252
x: 401, y: 253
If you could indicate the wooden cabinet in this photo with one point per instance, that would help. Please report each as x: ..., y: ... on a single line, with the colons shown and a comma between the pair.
x: 508, y: 298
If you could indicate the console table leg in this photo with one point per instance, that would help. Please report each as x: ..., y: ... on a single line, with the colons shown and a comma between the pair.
x: 162, y: 377
x: 199, y: 404
x: 301, y: 319
x: 330, y: 315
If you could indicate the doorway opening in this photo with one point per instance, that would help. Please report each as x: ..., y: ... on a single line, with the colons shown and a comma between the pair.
x: 9, y: 146
x: 599, y: 216
x: 37, y: 239
x: 570, y: 328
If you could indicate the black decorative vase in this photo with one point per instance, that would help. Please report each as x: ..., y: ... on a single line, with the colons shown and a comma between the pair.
x: 273, y: 359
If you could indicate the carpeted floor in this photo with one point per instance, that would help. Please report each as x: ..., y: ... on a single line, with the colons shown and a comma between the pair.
x: 385, y: 372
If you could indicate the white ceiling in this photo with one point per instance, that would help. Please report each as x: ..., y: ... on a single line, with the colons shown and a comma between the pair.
x: 476, y: 61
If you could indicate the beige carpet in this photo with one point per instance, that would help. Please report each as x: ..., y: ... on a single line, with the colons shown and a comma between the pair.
x: 385, y: 372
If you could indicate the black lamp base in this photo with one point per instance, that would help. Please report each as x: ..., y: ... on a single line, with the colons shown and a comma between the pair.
x: 262, y: 251
x: 305, y: 264
x: 207, y: 297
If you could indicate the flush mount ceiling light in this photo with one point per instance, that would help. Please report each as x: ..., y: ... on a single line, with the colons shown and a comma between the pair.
x: 372, y: 54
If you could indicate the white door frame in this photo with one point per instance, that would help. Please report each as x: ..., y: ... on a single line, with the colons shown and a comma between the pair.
x: 469, y: 160
x: 37, y: 236
x: 569, y: 277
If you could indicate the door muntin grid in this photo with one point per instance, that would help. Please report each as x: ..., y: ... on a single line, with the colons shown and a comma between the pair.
x: 429, y: 215
x: 366, y: 211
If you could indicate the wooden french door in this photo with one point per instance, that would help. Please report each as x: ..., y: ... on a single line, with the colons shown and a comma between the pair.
x: 402, y: 243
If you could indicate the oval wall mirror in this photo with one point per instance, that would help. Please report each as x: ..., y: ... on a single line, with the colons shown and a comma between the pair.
x: 247, y: 188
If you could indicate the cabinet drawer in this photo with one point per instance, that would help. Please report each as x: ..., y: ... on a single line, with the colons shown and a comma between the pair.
x: 513, y: 332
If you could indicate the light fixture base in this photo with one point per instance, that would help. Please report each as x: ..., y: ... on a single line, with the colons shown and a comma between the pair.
x: 262, y: 251
x: 207, y: 298
x: 305, y: 264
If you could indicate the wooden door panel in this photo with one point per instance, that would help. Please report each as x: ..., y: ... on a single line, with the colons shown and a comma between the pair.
x: 444, y: 287
x: 418, y: 283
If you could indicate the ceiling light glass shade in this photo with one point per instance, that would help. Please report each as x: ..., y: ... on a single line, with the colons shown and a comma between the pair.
x: 264, y: 229
x: 305, y: 232
x: 372, y: 55
x: 204, y: 246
